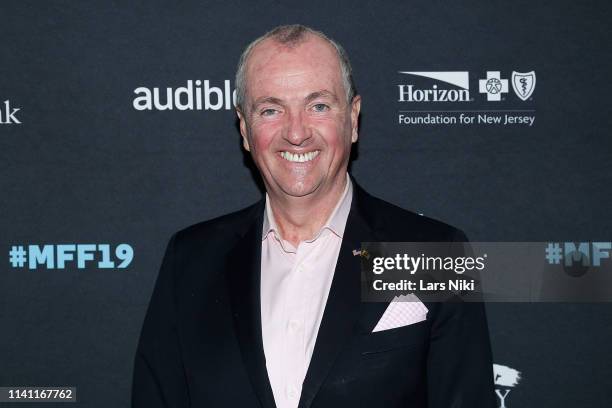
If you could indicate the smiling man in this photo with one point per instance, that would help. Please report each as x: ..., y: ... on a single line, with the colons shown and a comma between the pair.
x: 262, y: 307
x: 298, y: 118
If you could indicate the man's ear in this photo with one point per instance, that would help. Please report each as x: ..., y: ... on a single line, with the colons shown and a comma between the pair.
x: 355, y: 108
x: 243, y: 130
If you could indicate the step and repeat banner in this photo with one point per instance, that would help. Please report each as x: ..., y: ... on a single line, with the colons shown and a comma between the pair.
x: 117, y: 128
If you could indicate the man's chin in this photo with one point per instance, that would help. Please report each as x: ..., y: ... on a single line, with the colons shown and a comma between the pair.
x: 297, y: 193
x: 298, y: 189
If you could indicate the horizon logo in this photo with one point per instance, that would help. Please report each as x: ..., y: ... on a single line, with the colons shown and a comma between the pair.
x: 493, y: 85
x: 460, y: 79
x: 7, y: 116
x: 197, y: 95
x: 523, y: 83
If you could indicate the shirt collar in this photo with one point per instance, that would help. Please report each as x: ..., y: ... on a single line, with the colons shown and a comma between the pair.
x: 336, y: 222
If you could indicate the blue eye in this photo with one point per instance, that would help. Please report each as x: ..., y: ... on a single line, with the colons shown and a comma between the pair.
x: 268, y: 112
x: 320, y: 107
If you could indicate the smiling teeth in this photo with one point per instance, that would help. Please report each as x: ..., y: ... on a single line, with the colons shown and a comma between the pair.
x: 300, y: 158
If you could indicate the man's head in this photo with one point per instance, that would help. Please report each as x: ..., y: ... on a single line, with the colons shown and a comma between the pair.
x: 298, y: 111
x: 291, y: 36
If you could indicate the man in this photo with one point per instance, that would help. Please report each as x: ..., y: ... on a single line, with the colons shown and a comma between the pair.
x: 262, y: 307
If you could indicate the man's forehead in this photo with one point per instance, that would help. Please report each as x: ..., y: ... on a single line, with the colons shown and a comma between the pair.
x: 309, y: 44
x: 310, y: 54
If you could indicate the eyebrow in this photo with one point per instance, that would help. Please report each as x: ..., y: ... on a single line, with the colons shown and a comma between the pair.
x: 320, y: 94
x: 266, y: 99
x: 311, y: 97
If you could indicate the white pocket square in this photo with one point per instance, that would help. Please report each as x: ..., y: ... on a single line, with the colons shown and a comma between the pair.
x: 402, y: 311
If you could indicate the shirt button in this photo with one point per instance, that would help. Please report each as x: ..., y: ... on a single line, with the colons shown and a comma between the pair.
x: 292, y: 392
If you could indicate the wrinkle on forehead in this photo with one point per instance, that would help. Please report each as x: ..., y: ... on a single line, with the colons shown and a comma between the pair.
x: 271, y: 52
x: 288, y: 66
x: 272, y: 47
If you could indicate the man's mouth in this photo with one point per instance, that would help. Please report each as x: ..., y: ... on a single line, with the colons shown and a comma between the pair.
x: 299, y: 158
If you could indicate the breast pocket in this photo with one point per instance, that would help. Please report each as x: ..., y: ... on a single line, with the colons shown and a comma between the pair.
x: 406, y: 337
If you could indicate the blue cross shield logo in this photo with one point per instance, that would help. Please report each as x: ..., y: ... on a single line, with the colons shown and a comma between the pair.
x: 523, y: 84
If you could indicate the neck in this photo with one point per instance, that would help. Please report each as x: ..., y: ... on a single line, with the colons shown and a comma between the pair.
x: 300, y: 218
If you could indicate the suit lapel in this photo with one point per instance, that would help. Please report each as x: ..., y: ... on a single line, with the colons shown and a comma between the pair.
x: 341, y: 312
x: 243, y: 273
x: 343, y: 303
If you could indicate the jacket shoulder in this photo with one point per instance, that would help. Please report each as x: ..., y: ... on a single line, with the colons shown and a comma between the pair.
x: 218, y: 233
x: 405, y: 225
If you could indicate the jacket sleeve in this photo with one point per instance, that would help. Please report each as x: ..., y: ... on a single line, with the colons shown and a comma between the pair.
x: 459, y: 363
x: 159, y: 378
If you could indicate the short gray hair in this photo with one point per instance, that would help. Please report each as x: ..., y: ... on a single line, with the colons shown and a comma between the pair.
x: 291, y: 36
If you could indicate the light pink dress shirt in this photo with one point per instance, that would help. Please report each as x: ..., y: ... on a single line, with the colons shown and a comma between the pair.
x: 295, y: 284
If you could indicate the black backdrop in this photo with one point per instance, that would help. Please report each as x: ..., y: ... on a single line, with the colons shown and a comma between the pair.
x: 84, y: 166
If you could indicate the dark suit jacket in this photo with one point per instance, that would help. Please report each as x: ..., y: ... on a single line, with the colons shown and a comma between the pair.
x: 201, y: 343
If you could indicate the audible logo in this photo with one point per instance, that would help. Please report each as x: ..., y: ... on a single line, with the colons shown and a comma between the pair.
x: 7, y: 115
x: 197, y: 95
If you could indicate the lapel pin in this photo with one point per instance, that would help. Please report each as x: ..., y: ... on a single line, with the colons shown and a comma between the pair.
x: 362, y: 253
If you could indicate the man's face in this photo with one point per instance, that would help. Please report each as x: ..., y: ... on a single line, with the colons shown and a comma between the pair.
x: 296, y: 121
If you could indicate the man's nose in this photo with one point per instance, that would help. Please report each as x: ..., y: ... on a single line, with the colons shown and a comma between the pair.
x: 297, y: 131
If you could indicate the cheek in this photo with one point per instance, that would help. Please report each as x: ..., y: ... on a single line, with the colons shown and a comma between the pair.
x: 262, y: 136
x: 336, y: 135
